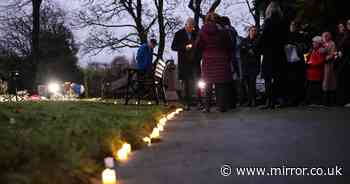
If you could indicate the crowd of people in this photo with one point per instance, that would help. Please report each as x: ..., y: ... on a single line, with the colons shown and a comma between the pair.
x: 297, y: 69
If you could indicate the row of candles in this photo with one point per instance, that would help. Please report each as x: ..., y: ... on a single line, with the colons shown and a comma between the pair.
x: 109, y: 174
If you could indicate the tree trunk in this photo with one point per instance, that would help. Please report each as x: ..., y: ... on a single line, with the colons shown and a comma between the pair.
x: 257, y: 19
x: 162, y: 33
x: 86, y: 83
x: 195, y: 6
x: 35, y: 38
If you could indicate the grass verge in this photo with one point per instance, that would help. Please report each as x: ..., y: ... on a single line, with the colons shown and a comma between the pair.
x: 65, y: 142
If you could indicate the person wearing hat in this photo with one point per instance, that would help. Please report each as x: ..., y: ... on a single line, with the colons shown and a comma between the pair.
x: 315, y: 71
x: 144, y: 56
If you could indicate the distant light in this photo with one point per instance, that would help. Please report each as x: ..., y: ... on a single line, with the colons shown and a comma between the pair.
x: 201, y: 84
x: 53, y: 87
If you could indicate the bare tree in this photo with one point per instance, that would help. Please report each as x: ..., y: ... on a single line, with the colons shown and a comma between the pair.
x: 17, y: 5
x: 36, y: 4
x: 167, y: 22
x: 124, y: 24
x: 195, y: 6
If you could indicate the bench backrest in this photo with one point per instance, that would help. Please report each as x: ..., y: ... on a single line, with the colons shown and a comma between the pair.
x: 159, y: 69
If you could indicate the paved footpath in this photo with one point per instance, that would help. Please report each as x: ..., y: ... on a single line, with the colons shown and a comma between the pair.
x: 196, y: 145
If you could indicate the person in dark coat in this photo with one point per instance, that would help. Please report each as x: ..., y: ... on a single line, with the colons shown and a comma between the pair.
x: 273, y: 39
x: 250, y: 64
x: 215, y: 44
x: 296, y: 68
x: 233, y: 97
x: 343, y: 65
x: 188, y: 59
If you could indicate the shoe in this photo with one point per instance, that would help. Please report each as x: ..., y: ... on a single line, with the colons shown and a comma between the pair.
x: 279, y: 106
x: 206, y: 110
x: 187, y: 108
x: 253, y: 104
x: 221, y: 109
x: 269, y: 106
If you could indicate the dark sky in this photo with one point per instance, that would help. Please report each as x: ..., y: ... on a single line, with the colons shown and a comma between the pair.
x: 236, y: 13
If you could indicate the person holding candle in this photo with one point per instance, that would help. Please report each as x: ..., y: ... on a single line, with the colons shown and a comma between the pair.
x: 216, y: 47
x: 188, y: 59
x: 315, y: 72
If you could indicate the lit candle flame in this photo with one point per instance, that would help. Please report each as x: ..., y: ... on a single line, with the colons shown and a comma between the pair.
x: 160, y: 127
x: 171, y: 115
x: 127, y: 148
x: 122, y: 154
x: 155, y: 133
x: 147, y: 140
x: 109, y: 176
x: 163, y: 121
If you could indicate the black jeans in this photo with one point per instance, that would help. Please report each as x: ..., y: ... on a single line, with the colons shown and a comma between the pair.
x: 188, y: 91
x: 250, y: 87
x: 314, y: 92
x: 223, y: 94
x: 269, y: 90
x: 275, y: 89
x: 343, y: 87
x: 295, y: 88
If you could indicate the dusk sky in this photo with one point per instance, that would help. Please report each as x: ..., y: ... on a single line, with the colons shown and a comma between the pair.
x: 235, y: 12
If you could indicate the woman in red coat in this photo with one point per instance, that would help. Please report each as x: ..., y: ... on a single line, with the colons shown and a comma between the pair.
x: 315, y: 71
x: 215, y: 43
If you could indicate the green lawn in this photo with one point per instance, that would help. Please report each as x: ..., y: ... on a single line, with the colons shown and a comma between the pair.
x: 66, y: 142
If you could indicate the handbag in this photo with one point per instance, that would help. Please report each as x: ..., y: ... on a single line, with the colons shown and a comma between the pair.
x: 291, y: 53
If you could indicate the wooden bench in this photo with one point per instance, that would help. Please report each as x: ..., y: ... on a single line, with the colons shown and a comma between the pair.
x: 141, y: 86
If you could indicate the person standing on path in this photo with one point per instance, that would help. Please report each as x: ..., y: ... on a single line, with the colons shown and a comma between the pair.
x: 273, y: 39
x: 233, y: 97
x: 188, y: 60
x: 315, y: 72
x: 329, y: 84
x: 250, y: 64
x: 344, y: 70
x: 215, y: 43
x: 296, y: 47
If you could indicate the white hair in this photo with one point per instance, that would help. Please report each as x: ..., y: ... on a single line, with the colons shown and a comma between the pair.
x: 190, y: 21
x: 317, y: 39
x: 273, y: 8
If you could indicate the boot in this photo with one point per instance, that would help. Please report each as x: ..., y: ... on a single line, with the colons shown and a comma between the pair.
x: 269, y: 105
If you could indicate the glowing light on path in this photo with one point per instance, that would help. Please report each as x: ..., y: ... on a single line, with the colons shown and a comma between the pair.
x: 155, y: 133
x: 109, y: 176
